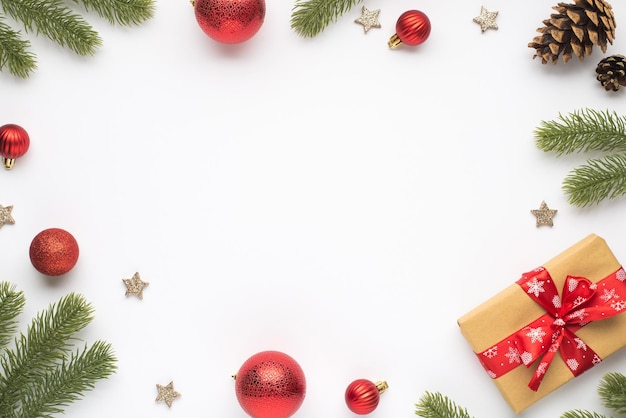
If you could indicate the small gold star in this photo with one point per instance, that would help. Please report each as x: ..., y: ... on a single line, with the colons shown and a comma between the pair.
x: 135, y: 286
x: 5, y: 215
x: 486, y: 20
x: 369, y: 19
x: 544, y: 214
x: 167, y: 394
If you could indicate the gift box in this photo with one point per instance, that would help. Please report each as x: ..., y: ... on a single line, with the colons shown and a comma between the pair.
x: 552, y: 324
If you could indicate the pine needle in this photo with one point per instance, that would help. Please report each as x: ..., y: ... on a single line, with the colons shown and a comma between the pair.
x: 14, y: 53
x: 599, y: 179
x: 582, y: 131
x: 310, y: 17
x: 11, y: 305
x: 577, y: 413
x: 56, y: 21
x: 612, y: 391
x: 435, y: 405
x: 121, y: 12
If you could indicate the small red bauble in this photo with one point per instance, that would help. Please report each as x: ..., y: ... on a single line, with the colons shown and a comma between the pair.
x: 14, y: 142
x: 270, y: 384
x: 362, y: 396
x: 54, y: 252
x: 412, y: 28
x: 230, y: 21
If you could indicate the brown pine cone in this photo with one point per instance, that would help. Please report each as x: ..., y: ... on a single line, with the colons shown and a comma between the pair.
x: 574, y: 29
x: 612, y: 72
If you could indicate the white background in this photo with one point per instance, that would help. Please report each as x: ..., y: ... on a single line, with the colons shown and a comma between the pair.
x: 329, y: 198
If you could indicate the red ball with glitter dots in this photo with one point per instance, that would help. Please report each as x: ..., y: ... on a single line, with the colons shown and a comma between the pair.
x: 54, y: 252
x: 230, y: 21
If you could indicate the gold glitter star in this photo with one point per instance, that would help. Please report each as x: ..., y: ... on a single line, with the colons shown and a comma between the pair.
x: 486, y: 20
x: 167, y: 394
x: 369, y: 19
x: 135, y: 286
x: 544, y: 214
x: 5, y: 215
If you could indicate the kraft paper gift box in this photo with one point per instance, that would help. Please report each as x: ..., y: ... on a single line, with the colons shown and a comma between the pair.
x: 495, y: 327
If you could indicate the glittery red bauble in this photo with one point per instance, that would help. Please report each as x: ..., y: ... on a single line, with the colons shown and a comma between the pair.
x: 230, y: 21
x: 14, y: 142
x: 362, y: 395
x: 54, y: 252
x: 412, y: 28
x: 270, y: 384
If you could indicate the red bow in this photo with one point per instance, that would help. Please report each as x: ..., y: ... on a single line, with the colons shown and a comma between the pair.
x: 582, y: 302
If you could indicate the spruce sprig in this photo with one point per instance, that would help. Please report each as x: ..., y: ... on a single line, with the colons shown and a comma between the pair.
x: 121, y: 12
x: 578, y: 413
x: 14, y: 52
x: 583, y: 131
x: 598, y: 179
x: 612, y: 391
x: 436, y: 405
x: 11, y: 306
x: 43, y: 371
x: 310, y: 17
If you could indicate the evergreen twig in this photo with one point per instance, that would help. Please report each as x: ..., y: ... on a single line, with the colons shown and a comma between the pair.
x: 11, y: 305
x: 436, y: 405
x: 122, y: 12
x: 310, y: 17
x: 582, y: 131
x: 612, y: 391
x: 599, y: 179
x: 14, y: 53
x: 578, y: 413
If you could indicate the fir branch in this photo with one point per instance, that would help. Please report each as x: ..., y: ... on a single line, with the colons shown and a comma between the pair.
x: 612, y: 391
x: 14, y: 52
x: 435, y: 405
x: 46, y: 342
x: 599, y: 179
x: 122, y: 12
x: 68, y: 381
x: 577, y: 413
x: 11, y: 305
x: 310, y: 17
x: 582, y: 131
x: 56, y: 21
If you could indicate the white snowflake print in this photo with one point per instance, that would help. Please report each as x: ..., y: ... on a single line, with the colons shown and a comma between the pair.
x: 535, y: 287
x: 580, y: 315
x: 572, y: 284
x: 572, y: 364
x: 619, y: 305
x: 536, y: 334
x: 593, y: 286
x: 513, y: 355
x: 621, y: 275
x: 596, y: 359
x: 491, y: 374
x: 608, y: 295
x: 554, y: 347
x: 541, y: 369
x: 491, y: 352
x: 527, y: 358
x: 580, y: 344
x: 556, y: 301
x: 579, y: 301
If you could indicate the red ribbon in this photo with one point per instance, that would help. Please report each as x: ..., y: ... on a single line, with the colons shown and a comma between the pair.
x: 581, y: 302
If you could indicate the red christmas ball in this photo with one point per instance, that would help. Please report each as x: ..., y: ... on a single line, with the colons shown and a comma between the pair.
x: 412, y: 28
x: 362, y: 396
x: 53, y: 252
x: 14, y: 142
x: 230, y: 21
x: 270, y: 384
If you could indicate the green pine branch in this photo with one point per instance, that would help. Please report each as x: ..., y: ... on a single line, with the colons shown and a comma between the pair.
x: 577, y: 413
x: 121, y: 12
x: 583, y: 131
x: 436, y: 405
x: 599, y: 179
x: 42, y: 373
x: 14, y: 52
x: 56, y: 21
x: 310, y: 17
x: 612, y: 392
x: 11, y: 305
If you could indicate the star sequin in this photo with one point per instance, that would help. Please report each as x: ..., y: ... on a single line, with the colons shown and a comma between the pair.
x: 135, y: 286
x: 487, y: 19
x: 5, y: 215
x: 167, y: 394
x: 544, y: 214
x: 369, y: 19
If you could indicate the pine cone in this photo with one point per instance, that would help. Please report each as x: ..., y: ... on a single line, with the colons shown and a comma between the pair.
x: 612, y: 72
x: 574, y: 29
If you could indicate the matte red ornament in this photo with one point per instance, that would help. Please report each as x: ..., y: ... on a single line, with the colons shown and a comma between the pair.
x: 270, y: 384
x: 54, y: 252
x: 362, y: 396
x: 14, y: 142
x: 412, y: 28
x: 230, y: 21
